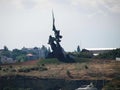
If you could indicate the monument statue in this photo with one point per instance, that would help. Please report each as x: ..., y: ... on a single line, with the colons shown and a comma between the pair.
x: 54, y: 42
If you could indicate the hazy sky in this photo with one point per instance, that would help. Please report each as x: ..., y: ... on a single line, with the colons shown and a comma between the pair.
x: 88, y: 23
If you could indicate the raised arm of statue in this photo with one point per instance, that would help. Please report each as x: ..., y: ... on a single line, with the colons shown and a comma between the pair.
x: 51, y: 40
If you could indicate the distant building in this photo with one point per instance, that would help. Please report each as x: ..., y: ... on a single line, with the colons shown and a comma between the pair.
x: 36, y: 53
x: 5, y: 60
x: 117, y: 58
x: 97, y: 51
x: 31, y: 56
x: 25, y: 49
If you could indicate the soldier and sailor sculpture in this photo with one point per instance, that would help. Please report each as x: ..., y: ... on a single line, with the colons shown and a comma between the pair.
x: 54, y: 42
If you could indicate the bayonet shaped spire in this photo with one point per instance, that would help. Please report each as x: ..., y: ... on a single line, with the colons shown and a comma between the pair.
x: 54, y: 28
x: 56, y: 32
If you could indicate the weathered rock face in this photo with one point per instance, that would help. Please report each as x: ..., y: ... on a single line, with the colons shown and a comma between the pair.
x: 34, y: 83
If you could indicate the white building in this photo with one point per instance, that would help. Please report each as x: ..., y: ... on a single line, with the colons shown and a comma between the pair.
x: 117, y: 58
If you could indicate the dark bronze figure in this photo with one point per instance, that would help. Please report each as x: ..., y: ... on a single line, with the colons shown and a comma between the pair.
x: 54, y: 42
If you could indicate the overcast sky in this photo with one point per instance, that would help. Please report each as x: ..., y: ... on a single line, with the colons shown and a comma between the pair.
x: 88, y: 23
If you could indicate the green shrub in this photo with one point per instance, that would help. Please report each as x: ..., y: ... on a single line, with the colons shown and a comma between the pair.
x: 5, y: 69
x: 7, y: 88
x: 34, y: 68
x: 81, y: 60
x: 69, y: 74
x: 86, y: 67
x: 13, y: 70
x: 10, y: 66
x: 43, y: 64
x: 0, y: 68
x: 24, y: 70
x: 83, y: 54
x: 20, y: 70
x: 48, y: 61
x: 42, y: 69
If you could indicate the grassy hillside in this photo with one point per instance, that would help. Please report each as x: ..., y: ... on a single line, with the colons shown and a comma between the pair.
x: 52, y: 68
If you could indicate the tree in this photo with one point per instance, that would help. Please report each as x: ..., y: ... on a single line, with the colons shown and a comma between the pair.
x: 0, y: 60
x: 6, y: 52
x: 18, y: 54
x: 78, y: 48
x: 15, y: 53
x: 21, y: 58
x: 5, y: 48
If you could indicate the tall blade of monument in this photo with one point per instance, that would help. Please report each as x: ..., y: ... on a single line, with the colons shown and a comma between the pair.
x: 54, y: 28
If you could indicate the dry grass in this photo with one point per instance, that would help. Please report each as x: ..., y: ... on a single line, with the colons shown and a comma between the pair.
x: 96, y: 69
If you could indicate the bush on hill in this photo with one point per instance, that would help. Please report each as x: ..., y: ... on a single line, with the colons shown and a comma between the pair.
x: 110, y: 55
x: 49, y: 61
x: 83, y: 54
